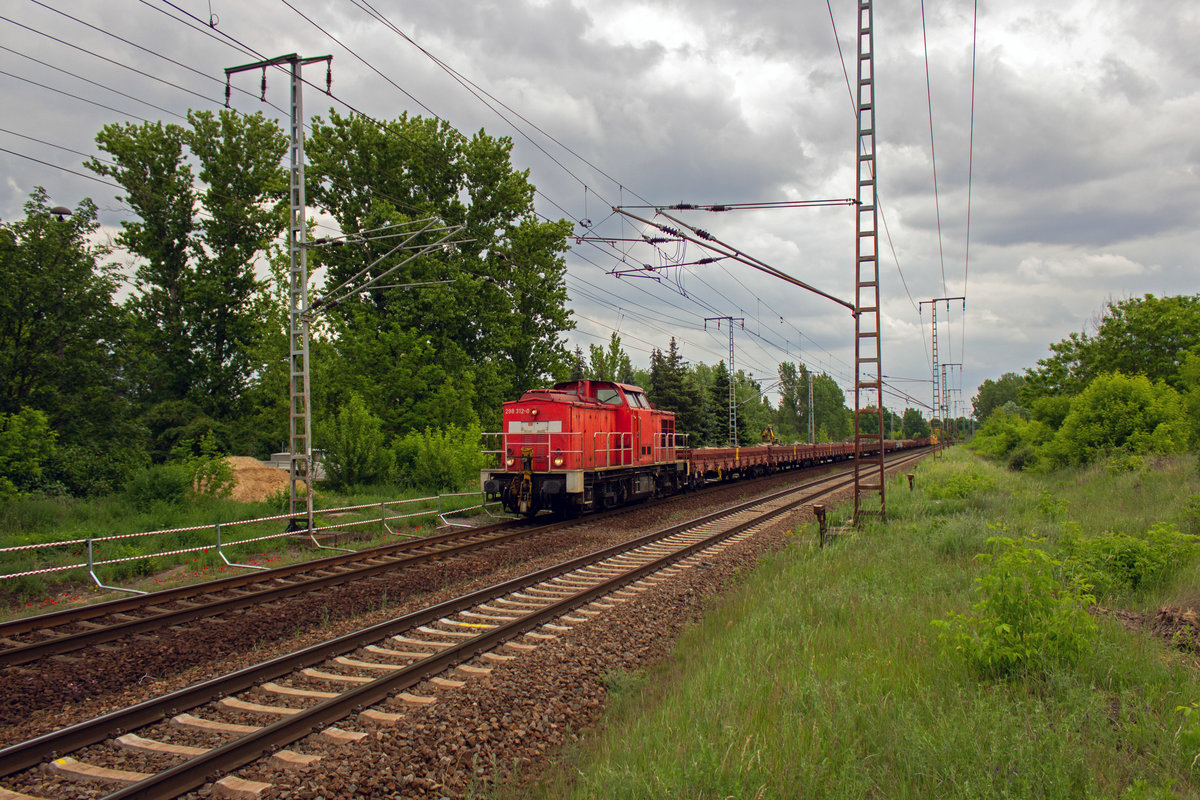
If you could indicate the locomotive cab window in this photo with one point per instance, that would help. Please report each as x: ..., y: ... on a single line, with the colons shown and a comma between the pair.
x: 637, y: 400
x: 610, y: 396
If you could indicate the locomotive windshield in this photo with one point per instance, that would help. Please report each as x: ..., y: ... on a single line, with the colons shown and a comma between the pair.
x: 610, y: 396
x: 637, y: 400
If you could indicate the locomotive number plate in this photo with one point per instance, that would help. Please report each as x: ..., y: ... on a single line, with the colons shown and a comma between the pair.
x: 541, y: 426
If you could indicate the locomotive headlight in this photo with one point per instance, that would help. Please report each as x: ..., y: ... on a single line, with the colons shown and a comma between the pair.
x: 533, y: 412
x: 510, y: 461
x: 558, y: 461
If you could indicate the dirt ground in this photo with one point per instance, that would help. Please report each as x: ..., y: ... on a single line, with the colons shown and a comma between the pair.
x: 1179, y: 627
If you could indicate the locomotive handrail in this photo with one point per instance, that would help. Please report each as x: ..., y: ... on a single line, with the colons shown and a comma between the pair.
x: 620, y: 449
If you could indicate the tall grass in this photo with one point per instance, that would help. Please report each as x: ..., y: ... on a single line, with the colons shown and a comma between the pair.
x: 822, y: 676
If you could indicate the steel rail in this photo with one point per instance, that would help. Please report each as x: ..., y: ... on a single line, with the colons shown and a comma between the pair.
x: 124, y: 604
x: 76, y: 641
x: 27, y: 754
x: 160, y: 618
x: 199, y: 770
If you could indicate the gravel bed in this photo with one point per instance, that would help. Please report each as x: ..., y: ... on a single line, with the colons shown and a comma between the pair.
x: 505, y: 726
x: 71, y: 688
x: 498, y: 728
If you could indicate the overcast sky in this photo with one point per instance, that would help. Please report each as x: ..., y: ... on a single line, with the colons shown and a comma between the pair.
x: 1084, y: 178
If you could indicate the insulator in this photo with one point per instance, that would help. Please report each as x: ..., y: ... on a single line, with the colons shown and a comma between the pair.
x: 703, y: 234
x: 227, y: 89
x: 264, y: 84
x: 329, y: 77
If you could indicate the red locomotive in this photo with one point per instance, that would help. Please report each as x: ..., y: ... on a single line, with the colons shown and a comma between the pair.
x: 587, y: 445
x: 584, y: 445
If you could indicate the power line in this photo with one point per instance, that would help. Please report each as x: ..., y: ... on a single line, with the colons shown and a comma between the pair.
x: 106, y: 58
x: 458, y: 76
x: 970, y: 167
x: 366, y: 63
x: 932, y: 152
x: 58, y: 146
x: 94, y: 83
x: 56, y: 166
x: 74, y: 96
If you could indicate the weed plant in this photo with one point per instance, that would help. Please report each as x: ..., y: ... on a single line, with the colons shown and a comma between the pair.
x: 822, y: 675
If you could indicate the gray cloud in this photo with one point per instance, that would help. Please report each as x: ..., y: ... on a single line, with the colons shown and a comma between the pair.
x: 1084, y: 181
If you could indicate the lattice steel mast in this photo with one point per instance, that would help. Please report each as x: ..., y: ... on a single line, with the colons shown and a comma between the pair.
x: 733, y: 434
x: 300, y: 409
x: 868, y: 373
x: 938, y: 423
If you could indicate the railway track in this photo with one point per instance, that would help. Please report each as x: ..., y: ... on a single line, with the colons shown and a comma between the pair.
x: 31, y: 639
x: 363, y: 680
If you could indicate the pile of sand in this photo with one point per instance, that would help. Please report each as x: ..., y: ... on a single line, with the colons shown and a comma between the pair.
x: 255, y: 480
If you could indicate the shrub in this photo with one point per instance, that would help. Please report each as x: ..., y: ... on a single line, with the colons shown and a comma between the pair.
x: 212, y: 475
x: 1117, y: 562
x: 1023, y: 458
x: 1001, y: 433
x: 1120, y: 413
x: 1050, y: 506
x: 1189, y: 516
x: 94, y: 470
x: 26, y: 441
x: 356, y: 452
x: 958, y: 486
x: 1189, y: 732
x: 440, y: 460
x: 160, y: 483
x: 1027, y: 617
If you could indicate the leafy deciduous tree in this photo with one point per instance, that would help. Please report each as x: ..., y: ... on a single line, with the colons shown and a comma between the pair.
x: 60, y: 340
x: 993, y: 394
x: 494, y: 330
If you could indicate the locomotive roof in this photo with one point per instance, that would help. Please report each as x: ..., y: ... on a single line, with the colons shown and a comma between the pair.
x: 629, y: 387
x: 586, y: 391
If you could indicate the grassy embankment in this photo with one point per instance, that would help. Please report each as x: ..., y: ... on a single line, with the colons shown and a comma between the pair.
x: 822, y: 676
x: 56, y: 519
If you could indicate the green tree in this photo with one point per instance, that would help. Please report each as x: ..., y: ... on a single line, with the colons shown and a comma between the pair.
x: 355, y: 446
x: 829, y: 409
x: 495, y: 329
x: 719, y: 433
x: 915, y: 425
x: 792, y: 416
x: 200, y: 314
x: 226, y: 312
x: 1148, y: 336
x: 672, y: 389
x: 26, y: 442
x: 578, y: 367
x: 149, y: 162
x: 61, y: 336
x: 993, y: 394
x: 611, y: 364
x: 754, y: 410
